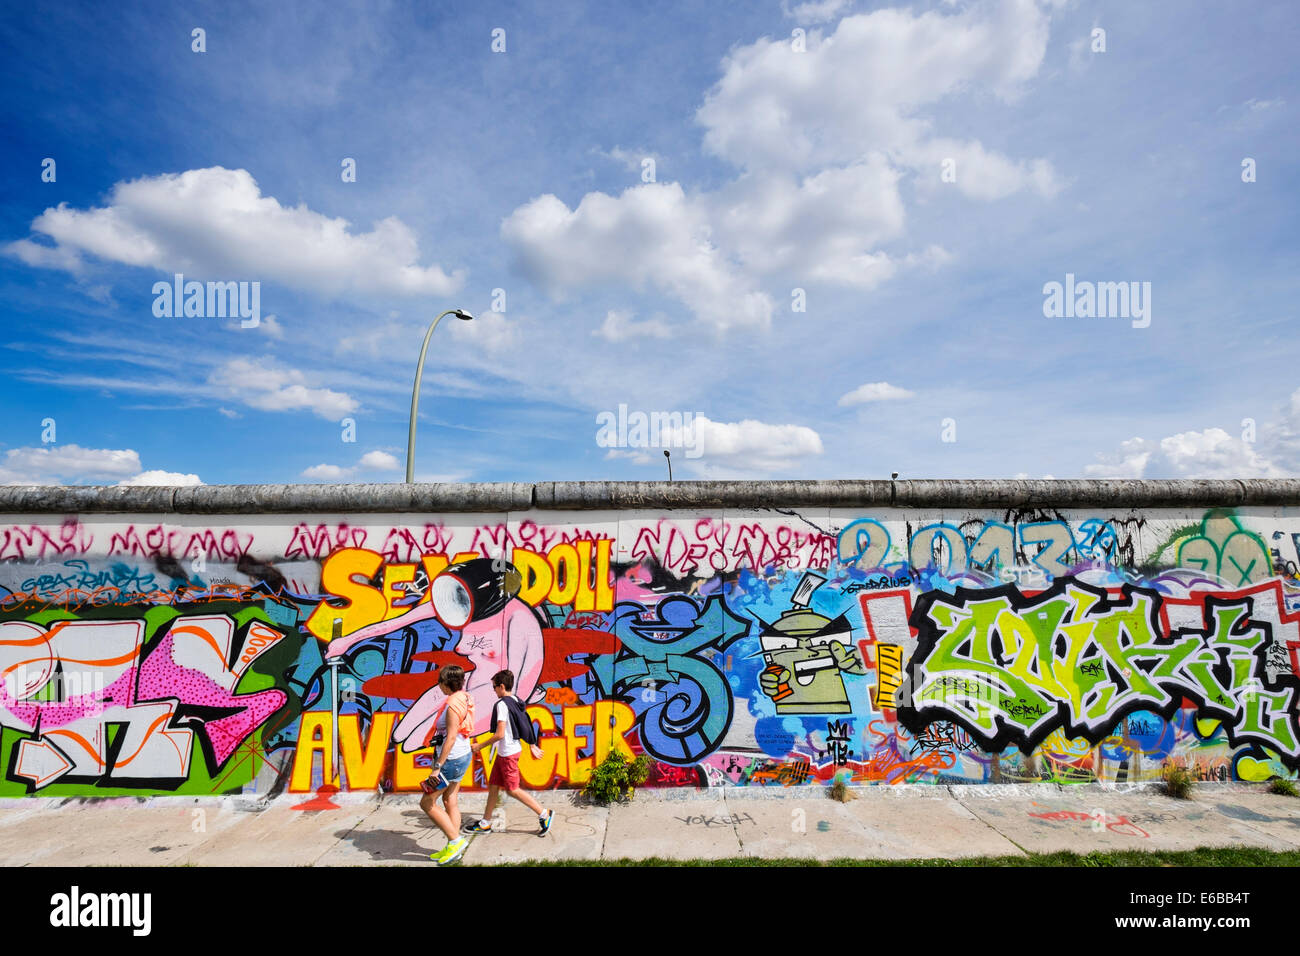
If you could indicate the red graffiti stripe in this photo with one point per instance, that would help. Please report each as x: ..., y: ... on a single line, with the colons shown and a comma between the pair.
x: 561, y: 642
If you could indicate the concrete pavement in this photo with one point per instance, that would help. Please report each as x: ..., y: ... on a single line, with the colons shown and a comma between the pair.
x: 905, y: 822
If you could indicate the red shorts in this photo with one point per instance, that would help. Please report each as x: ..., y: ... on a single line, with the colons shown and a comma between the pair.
x: 505, y: 773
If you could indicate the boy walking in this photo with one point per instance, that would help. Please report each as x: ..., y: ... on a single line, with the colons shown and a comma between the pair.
x: 505, y: 771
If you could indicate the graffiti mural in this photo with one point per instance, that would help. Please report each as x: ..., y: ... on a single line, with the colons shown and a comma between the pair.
x: 735, y: 649
x: 1013, y: 668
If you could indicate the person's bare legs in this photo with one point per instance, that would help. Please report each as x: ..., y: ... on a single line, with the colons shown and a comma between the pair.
x: 449, y: 800
x: 522, y: 796
x: 440, y: 818
x: 494, y: 793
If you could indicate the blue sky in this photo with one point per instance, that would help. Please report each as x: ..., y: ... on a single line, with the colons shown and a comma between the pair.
x: 781, y: 161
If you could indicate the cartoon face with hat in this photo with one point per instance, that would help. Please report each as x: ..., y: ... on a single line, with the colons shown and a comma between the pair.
x: 807, y: 653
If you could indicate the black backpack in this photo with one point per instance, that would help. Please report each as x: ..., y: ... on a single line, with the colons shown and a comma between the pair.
x: 521, y: 726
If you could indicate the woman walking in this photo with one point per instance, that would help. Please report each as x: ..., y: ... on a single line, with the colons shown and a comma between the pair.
x: 452, y: 728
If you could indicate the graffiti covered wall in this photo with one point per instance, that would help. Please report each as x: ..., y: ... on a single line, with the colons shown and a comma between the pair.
x: 184, y: 654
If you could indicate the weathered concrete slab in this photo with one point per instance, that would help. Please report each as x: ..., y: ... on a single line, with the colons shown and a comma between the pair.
x: 926, y: 822
x: 97, y: 835
x: 577, y: 833
x: 904, y: 822
x: 671, y: 829
x: 815, y: 828
x: 395, y: 833
x: 1277, y: 816
x: 1086, y: 819
x: 280, y: 837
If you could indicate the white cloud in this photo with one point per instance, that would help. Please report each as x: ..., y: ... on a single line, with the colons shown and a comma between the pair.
x: 1267, y: 450
x: 820, y: 227
x: 816, y: 11
x: 72, y: 464
x: 173, y: 478
x: 215, y: 224
x: 1212, y: 453
x: 1257, y: 106
x: 744, y: 448
x: 823, y: 139
x: 489, y: 331
x: 229, y: 413
x: 379, y: 461
x: 45, y: 257
x: 875, y: 392
x: 631, y: 159
x: 326, y: 472
x: 859, y: 89
x: 260, y: 383
x: 619, y: 326
x: 651, y: 234
x: 370, y: 461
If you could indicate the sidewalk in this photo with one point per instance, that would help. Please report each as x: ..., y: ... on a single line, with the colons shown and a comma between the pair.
x: 904, y: 822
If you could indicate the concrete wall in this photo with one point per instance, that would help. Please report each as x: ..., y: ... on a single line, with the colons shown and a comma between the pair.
x: 742, y: 634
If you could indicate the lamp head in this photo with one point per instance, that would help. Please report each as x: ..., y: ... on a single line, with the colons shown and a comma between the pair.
x: 462, y: 314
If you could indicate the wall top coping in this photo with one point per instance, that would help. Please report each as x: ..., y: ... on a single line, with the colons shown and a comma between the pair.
x: 1116, y: 495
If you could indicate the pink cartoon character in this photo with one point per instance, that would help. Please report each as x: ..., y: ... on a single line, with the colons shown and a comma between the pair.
x: 498, y: 632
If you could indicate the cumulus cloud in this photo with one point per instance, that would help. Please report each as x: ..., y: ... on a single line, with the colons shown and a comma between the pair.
x: 379, y: 461
x: 215, y: 223
x: 827, y: 226
x: 74, y: 465
x: 263, y: 384
x: 744, y: 448
x: 1211, y: 453
x: 370, y: 461
x: 326, y: 472
x: 1269, y: 450
x: 822, y: 138
x: 630, y: 159
x: 859, y: 89
x: 816, y: 11
x: 156, y: 477
x: 619, y: 326
x: 875, y: 392
x: 651, y: 234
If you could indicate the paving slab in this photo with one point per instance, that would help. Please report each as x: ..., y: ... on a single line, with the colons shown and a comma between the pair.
x: 1269, y: 813
x: 96, y: 835
x: 395, y: 833
x: 578, y: 832
x: 280, y: 836
x: 927, y: 822
x: 672, y: 829
x: 1085, y: 819
x: 815, y: 828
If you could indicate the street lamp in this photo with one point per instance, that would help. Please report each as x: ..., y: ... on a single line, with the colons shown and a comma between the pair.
x: 415, y: 392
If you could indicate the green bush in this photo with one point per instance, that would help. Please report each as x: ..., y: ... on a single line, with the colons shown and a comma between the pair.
x: 616, y: 778
x: 1283, y: 788
x: 1178, y: 782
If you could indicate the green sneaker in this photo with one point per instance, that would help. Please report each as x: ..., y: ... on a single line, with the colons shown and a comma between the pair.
x: 452, y: 852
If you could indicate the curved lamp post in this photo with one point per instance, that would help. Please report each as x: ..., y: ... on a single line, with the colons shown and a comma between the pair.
x: 415, y: 392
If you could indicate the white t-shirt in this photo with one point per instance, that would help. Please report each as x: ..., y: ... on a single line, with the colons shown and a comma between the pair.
x: 460, y: 746
x: 508, y: 745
